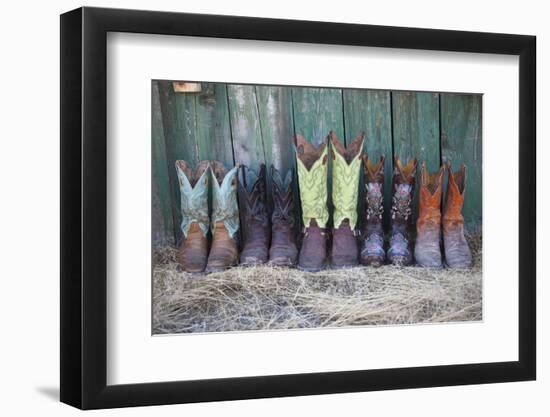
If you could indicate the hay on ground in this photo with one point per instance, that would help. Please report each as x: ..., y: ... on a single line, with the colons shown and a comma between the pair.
x: 268, y: 298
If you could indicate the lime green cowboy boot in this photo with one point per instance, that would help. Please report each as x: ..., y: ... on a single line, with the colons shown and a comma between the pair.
x: 193, y: 250
x: 346, y: 169
x: 312, y: 164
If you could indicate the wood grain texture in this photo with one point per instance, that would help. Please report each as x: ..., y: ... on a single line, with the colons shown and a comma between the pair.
x: 415, y: 119
x: 179, y: 118
x: 461, y: 142
x: 161, y: 207
x: 317, y: 111
x: 369, y: 111
x: 247, y: 137
x: 277, y: 126
x: 213, y: 133
x: 245, y: 126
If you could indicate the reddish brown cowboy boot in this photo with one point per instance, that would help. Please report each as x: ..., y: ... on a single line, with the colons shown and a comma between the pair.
x: 257, y: 233
x: 225, y: 218
x: 372, y: 250
x: 427, y: 249
x: 193, y: 250
x: 346, y: 169
x: 457, y: 252
x: 283, y: 251
x: 312, y: 164
x: 400, y: 252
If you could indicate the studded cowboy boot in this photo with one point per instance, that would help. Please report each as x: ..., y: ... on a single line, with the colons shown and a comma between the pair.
x: 346, y: 169
x: 312, y: 166
x: 427, y: 250
x: 457, y: 252
x: 193, y: 250
x: 400, y: 252
x: 283, y: 251
x: 372, y: 250
x: 225, y: 218
x: 256, y: 230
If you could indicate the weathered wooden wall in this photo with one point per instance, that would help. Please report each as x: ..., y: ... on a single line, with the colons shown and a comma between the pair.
x: 254, y: 124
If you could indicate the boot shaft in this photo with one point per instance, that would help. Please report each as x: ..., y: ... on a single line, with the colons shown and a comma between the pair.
x: 430, y: 190
x: 252, y: 188
x: 454, y: 198
x: 193, y: 195
x: 312, y: 164
x: 346, y: 170
x: 374, y: 193
x: 283, y: 199
x: 224, y: 198
x: 403, y: 193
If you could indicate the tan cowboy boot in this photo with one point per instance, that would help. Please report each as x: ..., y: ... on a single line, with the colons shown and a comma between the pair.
x: 225, y: 218
x: 457, y: 252
x: 193, y: 249
x: 427, y: 250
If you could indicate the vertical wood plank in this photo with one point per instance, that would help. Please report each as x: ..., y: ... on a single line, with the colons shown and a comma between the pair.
x: 161, y: 207
x: 461, y: 142
x: 277, y: 127
x: 317, y: 111
x: 245, y: 125
x: 415, y: 122
x: 246, y: 133
x: 179, y: 120
x: 370, y: 111
x: 213, y: 129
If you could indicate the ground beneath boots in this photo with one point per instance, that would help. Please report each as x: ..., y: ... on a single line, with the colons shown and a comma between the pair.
x: 268, y: 298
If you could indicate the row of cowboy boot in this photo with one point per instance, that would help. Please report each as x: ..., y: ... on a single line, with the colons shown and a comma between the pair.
x: 262, y: 242
x: 430, y: 220
x: 193, y: 254
x: 312, y: 166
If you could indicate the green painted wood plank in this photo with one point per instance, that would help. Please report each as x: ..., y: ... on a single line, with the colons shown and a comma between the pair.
x: 213, y: 129
x: 277, y: 126
x: 245, y: 125
x: 246, y: 133
x: 179, y: 120
x: 161, y: 207
x: 369, y: 111
x: 415, y: 122
x: 317, y: 111
x: 461, y: 142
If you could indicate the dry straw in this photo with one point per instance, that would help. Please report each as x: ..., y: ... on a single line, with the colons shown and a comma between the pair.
x: 267, y: 298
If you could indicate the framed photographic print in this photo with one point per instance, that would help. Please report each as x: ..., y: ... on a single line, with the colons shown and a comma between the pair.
x: 257, y: 208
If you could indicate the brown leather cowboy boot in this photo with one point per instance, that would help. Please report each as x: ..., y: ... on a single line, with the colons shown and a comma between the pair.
x: 225, y: 218
x: 400, y: 252
x: 346, y: 169
x: 257, y: 233
x: 283, y: 251
x: 312, y: 166
x: 427, y: 250
x: 457, y: 252
x: 372, y: 250
x: 193, y: 249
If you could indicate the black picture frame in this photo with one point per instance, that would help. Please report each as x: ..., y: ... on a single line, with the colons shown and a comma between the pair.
x: 84, y: 207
